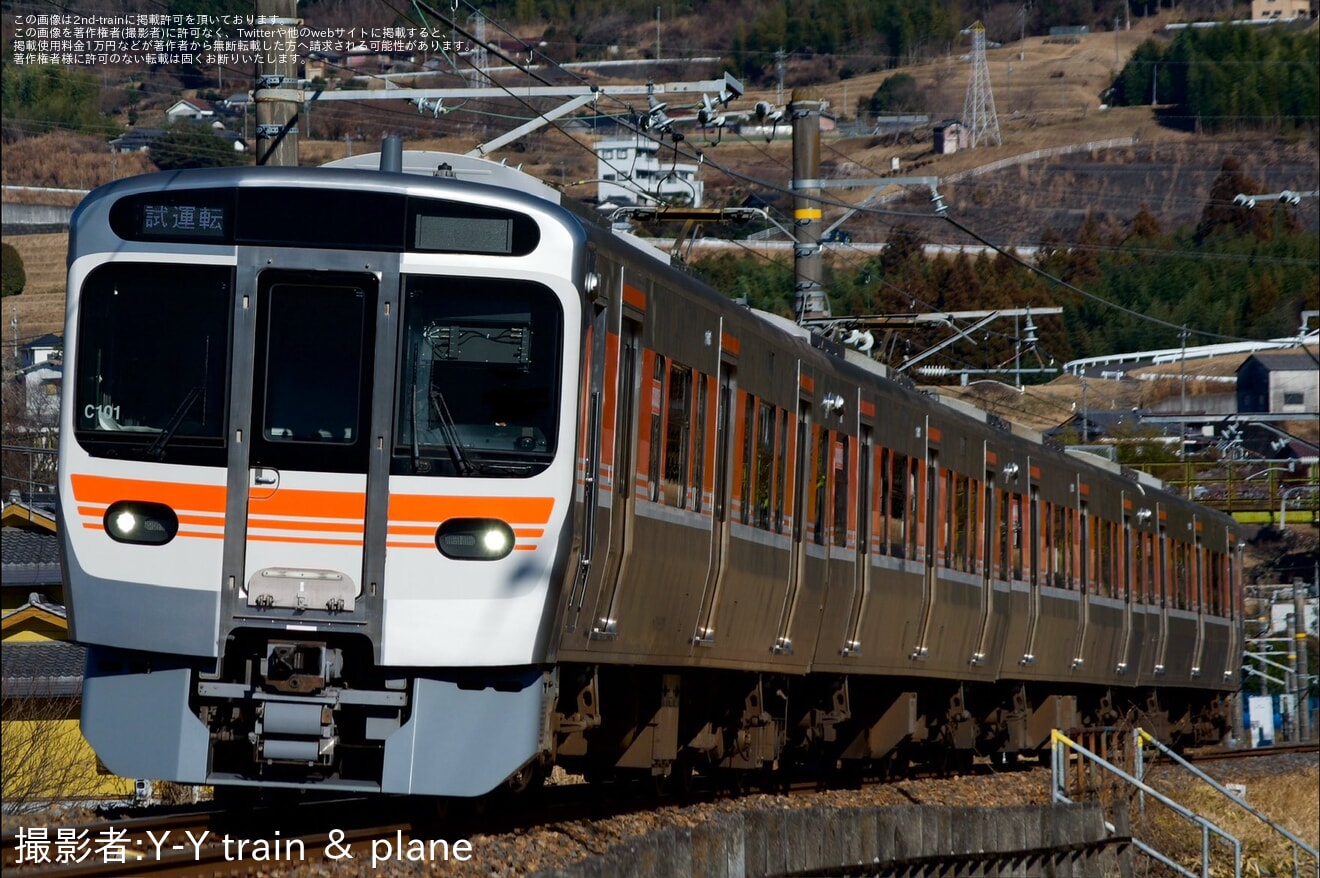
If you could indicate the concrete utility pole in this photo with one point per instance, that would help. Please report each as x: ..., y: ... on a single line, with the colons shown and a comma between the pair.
x: 809, y: 300
x: 277, y: 95
x: 1301, y: 667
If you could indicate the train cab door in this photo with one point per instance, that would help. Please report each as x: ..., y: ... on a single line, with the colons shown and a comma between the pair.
x: 308, y: 442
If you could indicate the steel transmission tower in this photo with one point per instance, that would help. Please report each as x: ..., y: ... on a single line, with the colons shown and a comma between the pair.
x: 979, y: 117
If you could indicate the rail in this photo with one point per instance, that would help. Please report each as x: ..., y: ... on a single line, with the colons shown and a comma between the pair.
x: 1060, y: 747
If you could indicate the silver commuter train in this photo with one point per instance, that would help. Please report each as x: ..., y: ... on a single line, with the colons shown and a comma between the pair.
x: 421, y: 483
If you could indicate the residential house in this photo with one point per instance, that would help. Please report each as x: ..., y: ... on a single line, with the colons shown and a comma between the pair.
x: 1279, y: 382
x: 135, y: 140
x: 44, y: 756
x: 47, y: 347
x: 632, y: 171
x: 42, y: 383
x: 190, y: 109
x: 1282, y: 10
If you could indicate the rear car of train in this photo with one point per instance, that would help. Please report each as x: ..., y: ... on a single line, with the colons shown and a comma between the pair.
x: 315, y: 474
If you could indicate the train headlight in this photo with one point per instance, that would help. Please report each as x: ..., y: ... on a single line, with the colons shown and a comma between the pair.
x: 474, y: 539
x: 136, y: 521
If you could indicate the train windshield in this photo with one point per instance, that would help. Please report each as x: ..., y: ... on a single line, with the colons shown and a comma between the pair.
x: 152, y: 362
x: 479, y: 378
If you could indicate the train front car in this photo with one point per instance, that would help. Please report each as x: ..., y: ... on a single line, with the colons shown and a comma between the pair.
x: 316, y: 474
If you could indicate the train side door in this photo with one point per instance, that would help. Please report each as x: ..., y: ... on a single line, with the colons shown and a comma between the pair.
x: 617, y: 440
x: 1125, y: 640
x: 705, y: 629
x: 308, y: 440
x: 1199, y: 598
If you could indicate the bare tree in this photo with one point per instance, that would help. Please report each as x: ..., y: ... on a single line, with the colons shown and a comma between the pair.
x: 30, y: 438
x: 43, y: 758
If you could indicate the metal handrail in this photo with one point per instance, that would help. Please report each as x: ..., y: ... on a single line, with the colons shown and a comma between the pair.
x: 1060, y: 744
x: 1139, y: 735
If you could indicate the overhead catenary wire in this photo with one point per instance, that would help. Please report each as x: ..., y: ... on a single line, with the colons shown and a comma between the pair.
x: 698, y: 155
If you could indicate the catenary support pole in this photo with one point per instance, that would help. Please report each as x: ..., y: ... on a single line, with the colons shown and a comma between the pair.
x: 277, y: 95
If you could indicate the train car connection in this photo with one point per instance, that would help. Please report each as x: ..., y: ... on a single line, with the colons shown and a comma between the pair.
x: 424, y: 482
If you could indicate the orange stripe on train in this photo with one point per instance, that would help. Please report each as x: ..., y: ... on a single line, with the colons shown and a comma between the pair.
x: 257, y: 521
x: 515, y: 510
x: 300, y: 503
x: 106, y: 490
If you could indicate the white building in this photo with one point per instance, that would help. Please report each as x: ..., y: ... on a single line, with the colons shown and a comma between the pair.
x: 636, y: 171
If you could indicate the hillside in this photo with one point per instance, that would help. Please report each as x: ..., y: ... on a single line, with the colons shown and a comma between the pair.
x: 1048, y: 92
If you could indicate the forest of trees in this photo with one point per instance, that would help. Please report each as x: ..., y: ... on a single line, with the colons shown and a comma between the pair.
x: 1228, y: 78
x: 1239, y: 273
x: 862, y: 35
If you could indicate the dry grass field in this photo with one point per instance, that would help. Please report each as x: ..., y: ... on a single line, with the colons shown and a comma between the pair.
x: 40, y: 308
x: 1291, y: 798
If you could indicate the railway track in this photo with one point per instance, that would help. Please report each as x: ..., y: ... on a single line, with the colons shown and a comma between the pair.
x: 1213, y: 755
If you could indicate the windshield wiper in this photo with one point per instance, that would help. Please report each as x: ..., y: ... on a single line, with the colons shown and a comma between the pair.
x: 505, y: 469
x: 412, y: 415
x: 461, y: 462
x: 156, y: 451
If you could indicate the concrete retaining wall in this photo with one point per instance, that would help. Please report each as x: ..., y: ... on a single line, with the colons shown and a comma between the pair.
x: 909, y: 840
x: 18, y: 219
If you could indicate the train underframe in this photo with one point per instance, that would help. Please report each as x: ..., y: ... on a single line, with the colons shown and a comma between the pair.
x: 615, y: 721
x: 282, y: 712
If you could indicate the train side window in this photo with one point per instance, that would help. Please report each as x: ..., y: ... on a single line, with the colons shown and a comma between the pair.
x: 699, y: 442
x: 657, y: 427
x: 1227, y: 606
x: 781, y: 471
x: 1063, y: 546
x: 1034, y: 536
x: 949, y: 524
x: 1217, y: 582
x: 1003, y: 553
x: 911, y: 516
x: 677, y: 436
x: 748, y: 428
x: 1049, y: 543
x: 1015, y: 504
x: 898, y: 505
x: 997, y: 511
x: 964, y: 511
x: 1189, y: 577
x: 841, y: 466
x: 1103, y: 556
x: 1162, y: 569
x: 801, y: 448
x: 864, y: 492
x: 977, y: 538
x: 820, y: 481
x: 722, y: 408
x: 1152, y: 584
x: 1199, y: 578
x: 765, y: 464
x: 1181, y: 585
x: 882, y: 500
x: 1085, y: 552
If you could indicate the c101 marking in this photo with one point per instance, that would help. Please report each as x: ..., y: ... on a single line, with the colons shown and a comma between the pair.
x: 104, y: 411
